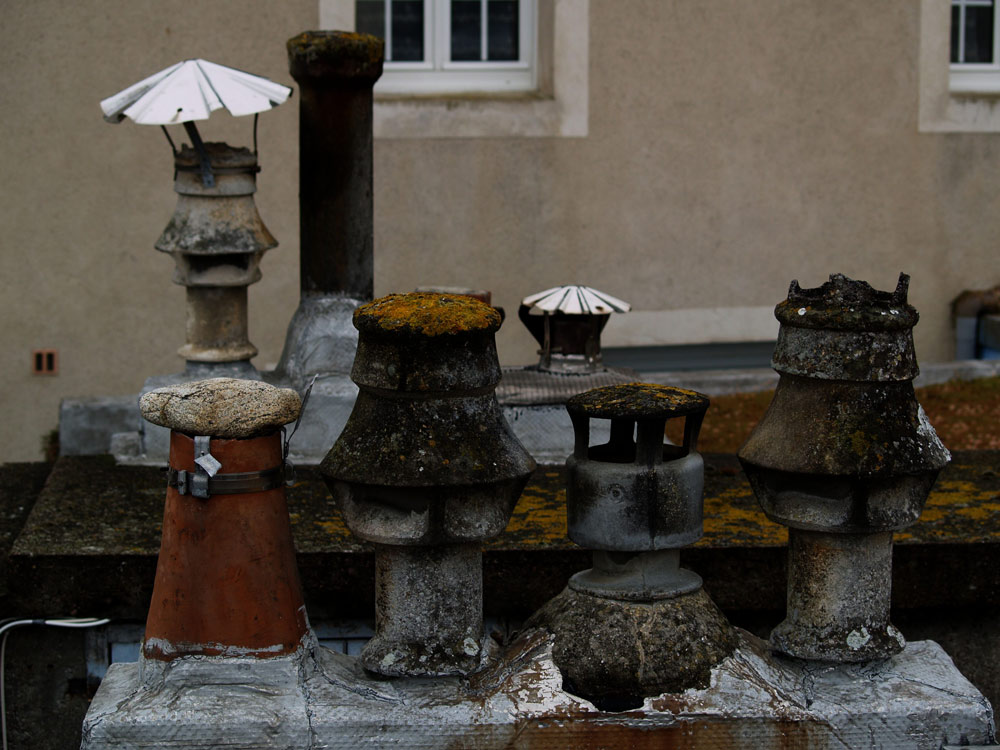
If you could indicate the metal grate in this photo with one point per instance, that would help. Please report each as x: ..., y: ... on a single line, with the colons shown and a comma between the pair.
x: 528, y: 386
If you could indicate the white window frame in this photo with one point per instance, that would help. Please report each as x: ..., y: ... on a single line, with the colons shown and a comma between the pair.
x: 976, y: 78
x: 558, y: 108
x: 944, y: 109
x: 437, y: 74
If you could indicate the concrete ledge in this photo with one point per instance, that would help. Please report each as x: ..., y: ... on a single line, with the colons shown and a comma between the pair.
x: 86, y: 424
x: 98, y: 523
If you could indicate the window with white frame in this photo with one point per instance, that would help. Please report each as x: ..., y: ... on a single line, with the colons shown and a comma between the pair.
x: 453, y: 46
x: 975, y: 55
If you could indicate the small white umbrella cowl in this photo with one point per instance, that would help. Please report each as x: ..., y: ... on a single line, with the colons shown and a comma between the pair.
x: 191, y: 90
x: 575, y: 300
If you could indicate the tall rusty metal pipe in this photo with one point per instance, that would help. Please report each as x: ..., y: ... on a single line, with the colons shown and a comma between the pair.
x: 335, y: 71
x: 844, y: 456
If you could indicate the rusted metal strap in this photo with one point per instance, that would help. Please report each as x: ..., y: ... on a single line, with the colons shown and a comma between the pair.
x: 238, y: 483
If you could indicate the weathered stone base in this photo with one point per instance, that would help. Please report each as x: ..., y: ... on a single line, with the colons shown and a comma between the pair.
x: 616, y: 652
x: 319, y: 699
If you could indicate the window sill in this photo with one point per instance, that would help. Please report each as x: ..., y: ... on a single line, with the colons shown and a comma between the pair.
x: 979, y: 86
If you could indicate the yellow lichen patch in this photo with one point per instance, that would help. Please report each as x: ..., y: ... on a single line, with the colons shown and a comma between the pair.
x: 539, y: 519
x: 334, y: 528
x: 428, y: 314
x: 957, y: 510
x: 958, y: 489
x: 859, y: 443
x: 733, y: 519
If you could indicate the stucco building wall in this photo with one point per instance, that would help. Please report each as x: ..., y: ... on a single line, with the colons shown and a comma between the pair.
x: 729, y: 147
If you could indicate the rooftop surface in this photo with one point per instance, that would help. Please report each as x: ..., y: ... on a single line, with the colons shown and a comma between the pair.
x: 98, y: 522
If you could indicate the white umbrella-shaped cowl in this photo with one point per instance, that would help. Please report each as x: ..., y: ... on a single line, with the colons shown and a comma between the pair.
x: 191, y: 90
x: 567, y: 322
x: 575, y: 300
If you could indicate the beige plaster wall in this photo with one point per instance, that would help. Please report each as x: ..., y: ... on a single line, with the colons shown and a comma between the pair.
x: 730, y: 147
x: 83, y: 201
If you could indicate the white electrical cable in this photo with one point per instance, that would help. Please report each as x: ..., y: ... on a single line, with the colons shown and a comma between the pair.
x: 10, y: 624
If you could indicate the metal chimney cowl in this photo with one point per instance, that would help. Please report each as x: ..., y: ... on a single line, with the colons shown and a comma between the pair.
x: 635, y: 502
x: 844, y: 456
x: 335, y: 71
x: 427, y: 468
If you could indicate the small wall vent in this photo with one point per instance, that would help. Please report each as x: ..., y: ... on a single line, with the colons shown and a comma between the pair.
x: 45, y: 362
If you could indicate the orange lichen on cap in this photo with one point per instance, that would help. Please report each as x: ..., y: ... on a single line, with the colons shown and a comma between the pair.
x: 427, y: 314
x: 637, y: 400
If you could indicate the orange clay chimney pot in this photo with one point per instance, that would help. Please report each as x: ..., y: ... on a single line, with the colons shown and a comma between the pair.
x: 226, y: 580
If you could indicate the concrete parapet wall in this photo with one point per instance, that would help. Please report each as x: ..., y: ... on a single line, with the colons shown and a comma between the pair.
x: 916, y: 699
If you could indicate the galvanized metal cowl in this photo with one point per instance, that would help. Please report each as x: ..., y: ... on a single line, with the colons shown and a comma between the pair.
x: 636, y: 497
x: 635, y: 502
x: 844, y: 456
x: 567, y: 321
x: 426, y: 467
x: 217, y: 240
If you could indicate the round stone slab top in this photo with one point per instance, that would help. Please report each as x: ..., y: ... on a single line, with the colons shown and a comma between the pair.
x: 637, y: 401
x: 221, y: 407
x: 426, y: 314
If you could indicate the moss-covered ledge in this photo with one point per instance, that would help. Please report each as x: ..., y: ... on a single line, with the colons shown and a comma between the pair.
x: 89, y: 546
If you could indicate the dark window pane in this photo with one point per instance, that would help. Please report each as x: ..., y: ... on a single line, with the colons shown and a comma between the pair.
x: 370, y: 17
x: 407, y: 30
x: 956, y: 20
x: 978, y: 34
x: 502, y: 29
x: 466, y: 30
